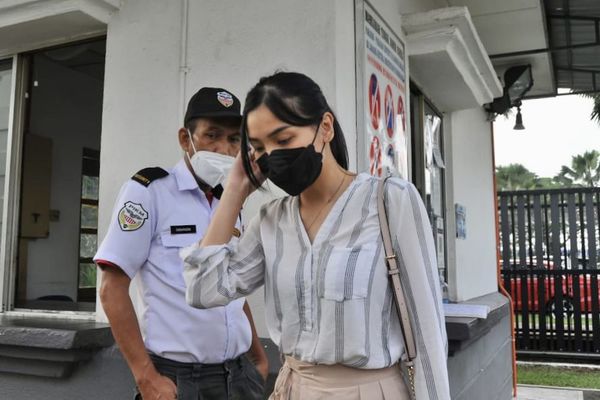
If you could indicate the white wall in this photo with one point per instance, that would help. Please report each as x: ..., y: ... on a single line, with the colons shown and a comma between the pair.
x: 230, y: 44
x: 469, y: 167
x: 65, y: 106
x: 474, y: 273
x: 140, y: 115
x: 150, y: 76
x: 313, y: 37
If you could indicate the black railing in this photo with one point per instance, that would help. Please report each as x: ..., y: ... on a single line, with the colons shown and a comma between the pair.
x: 549, y: 244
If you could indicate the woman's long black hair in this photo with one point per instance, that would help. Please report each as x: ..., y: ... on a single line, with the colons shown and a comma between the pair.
x: 297, y: 100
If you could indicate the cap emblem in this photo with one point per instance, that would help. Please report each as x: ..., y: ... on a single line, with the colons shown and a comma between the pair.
x: 225, y: 98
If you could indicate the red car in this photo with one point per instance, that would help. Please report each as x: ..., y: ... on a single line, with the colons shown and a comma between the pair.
x: 588, y: 292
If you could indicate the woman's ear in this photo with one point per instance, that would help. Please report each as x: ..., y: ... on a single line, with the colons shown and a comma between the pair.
x: 327, y: 127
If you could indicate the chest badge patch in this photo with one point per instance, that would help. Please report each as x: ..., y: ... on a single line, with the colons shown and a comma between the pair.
x: 132, y: 216
x: 225, y: 98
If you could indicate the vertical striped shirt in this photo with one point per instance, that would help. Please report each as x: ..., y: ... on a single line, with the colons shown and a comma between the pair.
x: 330, y: 301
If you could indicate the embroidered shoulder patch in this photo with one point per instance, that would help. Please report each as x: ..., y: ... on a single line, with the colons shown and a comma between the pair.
x: 132, y: 216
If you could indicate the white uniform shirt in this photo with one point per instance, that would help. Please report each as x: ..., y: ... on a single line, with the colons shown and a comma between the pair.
x: 330, y: 301
x: 149, y: 226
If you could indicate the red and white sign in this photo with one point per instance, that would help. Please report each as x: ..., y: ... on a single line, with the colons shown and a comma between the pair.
x: 374, y: 101
x: 384, y: 69
x: 375, y: 166
x: 390, y: 113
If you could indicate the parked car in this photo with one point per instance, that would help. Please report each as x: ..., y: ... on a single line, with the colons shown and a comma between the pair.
x: 548, y: 280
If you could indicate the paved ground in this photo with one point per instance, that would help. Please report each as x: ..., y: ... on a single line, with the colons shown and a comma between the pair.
x: 526, y: 392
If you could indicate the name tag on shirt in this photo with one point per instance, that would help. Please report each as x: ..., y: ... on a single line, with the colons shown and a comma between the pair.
x: 180, y: 229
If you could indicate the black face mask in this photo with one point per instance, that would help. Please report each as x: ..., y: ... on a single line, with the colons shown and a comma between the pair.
x: 293, y: 170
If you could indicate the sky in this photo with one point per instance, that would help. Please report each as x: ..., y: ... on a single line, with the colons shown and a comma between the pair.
x: 556, y: 129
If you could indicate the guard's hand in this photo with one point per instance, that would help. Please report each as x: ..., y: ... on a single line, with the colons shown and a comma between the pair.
x: 154, y: 386
x: 263, y: 368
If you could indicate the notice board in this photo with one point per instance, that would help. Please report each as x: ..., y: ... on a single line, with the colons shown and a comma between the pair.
x: 382, y: 95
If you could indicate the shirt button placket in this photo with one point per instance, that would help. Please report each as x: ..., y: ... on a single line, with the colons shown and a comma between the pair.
x: 310, y: 293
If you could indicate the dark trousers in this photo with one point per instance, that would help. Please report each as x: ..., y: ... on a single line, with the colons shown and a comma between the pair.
x: 236, y: 379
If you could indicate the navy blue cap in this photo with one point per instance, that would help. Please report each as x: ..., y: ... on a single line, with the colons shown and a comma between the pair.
x: 213, y: 103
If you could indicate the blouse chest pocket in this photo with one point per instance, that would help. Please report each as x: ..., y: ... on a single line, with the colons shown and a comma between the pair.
x: 349, y: 272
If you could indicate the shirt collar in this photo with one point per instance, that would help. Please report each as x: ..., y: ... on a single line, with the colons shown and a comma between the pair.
x: 184, y: 177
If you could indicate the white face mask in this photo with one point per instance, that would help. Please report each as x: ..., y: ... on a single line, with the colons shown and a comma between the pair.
x: 211, y: 167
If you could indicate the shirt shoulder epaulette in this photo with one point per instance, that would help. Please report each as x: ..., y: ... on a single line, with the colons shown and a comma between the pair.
x: 148, y: 175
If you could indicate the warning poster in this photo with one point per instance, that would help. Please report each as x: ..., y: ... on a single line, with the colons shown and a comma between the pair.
x: 384, y: 82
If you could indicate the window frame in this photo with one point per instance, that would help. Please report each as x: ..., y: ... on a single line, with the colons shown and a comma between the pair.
x: 89, y: 157
x: 11, y: 209
x: 420, y: 105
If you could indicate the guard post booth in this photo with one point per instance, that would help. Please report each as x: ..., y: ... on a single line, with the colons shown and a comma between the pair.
x: 91, y: 91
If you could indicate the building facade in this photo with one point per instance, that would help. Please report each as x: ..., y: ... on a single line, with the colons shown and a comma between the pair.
x: 93, y: 90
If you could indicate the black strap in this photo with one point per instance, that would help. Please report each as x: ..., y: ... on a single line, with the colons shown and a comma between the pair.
x: 217, y: 191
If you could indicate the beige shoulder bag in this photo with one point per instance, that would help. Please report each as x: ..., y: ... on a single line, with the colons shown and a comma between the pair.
x: 391, y: 260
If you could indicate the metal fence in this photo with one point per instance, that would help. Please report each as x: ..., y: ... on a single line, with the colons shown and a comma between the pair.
x: 549, y: 244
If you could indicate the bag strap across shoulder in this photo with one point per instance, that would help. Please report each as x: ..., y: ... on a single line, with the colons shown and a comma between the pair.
x: 391, y: 261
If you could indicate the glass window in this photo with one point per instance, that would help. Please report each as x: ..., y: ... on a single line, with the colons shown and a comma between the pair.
x: 88, y: 225
x: 88, y: 244
x: 428, y: 168
x: 89, y: 216
x: 58, y: 191
x: 89, y: 187
x: 434, y: 182
x: 87, y: 275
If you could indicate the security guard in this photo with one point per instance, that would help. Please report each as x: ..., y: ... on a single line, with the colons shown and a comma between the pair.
x: 185, y: 353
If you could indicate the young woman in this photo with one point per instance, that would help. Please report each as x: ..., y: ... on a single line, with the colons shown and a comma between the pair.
x: 328, y: 300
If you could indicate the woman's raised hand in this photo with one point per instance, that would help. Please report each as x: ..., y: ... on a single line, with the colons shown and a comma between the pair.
x: 238, y: 181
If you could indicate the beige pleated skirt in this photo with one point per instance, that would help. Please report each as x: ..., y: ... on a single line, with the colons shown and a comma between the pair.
x: 298, y: 380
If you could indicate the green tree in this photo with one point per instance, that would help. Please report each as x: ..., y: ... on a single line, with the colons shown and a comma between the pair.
x: 549, y: 183
x: 515, y: 177
x: 583, y: 171
x: 595, y: 114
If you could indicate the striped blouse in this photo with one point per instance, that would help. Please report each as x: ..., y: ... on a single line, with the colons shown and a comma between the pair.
x: 330, y: 301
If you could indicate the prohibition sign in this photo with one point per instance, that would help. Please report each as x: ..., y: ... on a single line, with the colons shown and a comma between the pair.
x: 391, y: 154
x: 390, y: 115
x: 401, y: 113
x: 374, y: 101
x: 375, y: 166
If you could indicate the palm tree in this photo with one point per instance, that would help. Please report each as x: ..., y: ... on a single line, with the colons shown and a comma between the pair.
x: 584, y: 170
x: 515, y: 177
x: 595, y: 114
x: 549, y: 183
